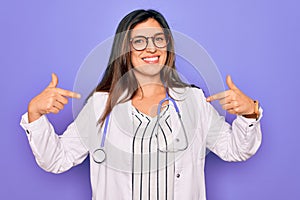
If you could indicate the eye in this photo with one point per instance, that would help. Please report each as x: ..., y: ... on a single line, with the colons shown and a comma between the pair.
x: 160, y: 38
x: 138, y: 41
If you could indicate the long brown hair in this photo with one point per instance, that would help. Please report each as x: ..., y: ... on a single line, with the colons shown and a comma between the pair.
x: 118, y: 77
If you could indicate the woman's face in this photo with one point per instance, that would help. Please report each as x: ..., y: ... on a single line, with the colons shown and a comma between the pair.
x: 148, y: 61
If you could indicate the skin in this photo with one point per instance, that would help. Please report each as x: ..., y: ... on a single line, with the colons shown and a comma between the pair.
x: 51, y: 100
x: 146, y: 69
x: 234, y: 100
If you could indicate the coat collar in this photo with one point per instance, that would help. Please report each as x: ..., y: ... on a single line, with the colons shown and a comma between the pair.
x: 122, y: 112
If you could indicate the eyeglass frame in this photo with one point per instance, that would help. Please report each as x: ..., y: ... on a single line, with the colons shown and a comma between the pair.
x: 147, y: 41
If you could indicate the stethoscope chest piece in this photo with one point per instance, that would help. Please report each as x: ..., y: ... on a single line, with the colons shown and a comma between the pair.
x: 99, y: 156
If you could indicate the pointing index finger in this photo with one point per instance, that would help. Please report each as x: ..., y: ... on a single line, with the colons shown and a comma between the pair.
x: 68, y: 93
x: 218, y: 96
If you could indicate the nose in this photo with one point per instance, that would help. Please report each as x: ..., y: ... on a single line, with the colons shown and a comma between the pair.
x: 150, y: 46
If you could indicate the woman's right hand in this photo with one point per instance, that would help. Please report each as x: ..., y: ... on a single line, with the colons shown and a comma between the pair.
x: 50, y: 100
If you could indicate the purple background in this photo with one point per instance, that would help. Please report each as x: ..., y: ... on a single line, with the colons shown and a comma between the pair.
x: 257, y: 42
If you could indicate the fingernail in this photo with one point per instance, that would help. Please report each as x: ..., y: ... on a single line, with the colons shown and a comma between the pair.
x: 78, y: 96
x: 208, y: 99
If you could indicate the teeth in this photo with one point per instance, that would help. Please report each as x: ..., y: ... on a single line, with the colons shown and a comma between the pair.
x: 151, y: 59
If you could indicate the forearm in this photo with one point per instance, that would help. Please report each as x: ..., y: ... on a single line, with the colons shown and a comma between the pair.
x: 53, y: 153
x: 237, y: 142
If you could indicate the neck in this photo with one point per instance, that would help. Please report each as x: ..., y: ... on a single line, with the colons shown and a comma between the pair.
x: 151, y: 89
x: 149, y: 86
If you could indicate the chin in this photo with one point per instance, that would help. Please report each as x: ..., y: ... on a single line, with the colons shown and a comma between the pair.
x: 151, y: 70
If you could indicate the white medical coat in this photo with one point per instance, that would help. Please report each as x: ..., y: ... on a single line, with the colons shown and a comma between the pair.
x: 205, y: 128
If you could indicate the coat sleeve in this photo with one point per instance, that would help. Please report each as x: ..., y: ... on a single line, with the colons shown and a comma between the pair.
x: 58, y: 153
x: 236, y: 142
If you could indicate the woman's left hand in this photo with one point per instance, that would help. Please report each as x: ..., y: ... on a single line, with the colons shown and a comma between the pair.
x: 234, y: 100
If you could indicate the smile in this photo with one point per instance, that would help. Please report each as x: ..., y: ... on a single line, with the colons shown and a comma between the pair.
x: 151, y: 60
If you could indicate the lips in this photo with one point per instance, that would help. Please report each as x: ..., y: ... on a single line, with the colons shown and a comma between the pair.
x: 151, y: 60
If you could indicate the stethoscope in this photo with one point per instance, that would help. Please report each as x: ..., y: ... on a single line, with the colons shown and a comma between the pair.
x: 99, y: 155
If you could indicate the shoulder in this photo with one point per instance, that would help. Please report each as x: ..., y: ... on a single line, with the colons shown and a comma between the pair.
x: 187, y: 92
x: 96, y: 97
x: 99, y: 96
x: 196, y: 90
x: 97, y: 102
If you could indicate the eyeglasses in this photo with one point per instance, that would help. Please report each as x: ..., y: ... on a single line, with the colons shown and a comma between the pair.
x: 140, y: 43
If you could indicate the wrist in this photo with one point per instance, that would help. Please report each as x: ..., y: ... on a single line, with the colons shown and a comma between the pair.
x: 255, y: 114
x: 32, y: 113
x: 33, y: 116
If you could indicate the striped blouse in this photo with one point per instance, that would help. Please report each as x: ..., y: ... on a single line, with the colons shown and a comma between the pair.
x: 152, y: 170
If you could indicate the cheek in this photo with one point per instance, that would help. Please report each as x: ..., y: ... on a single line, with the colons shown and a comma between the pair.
x: 164, y: 57
x: 134, y: 58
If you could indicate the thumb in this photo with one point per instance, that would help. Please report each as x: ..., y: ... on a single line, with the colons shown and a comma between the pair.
x: 54, y: 81
x: 230, y: 84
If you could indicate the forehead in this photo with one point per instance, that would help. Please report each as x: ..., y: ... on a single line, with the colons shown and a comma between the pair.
x: 147, y: 28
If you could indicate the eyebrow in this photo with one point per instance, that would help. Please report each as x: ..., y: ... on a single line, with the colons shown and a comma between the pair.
x: 146, y: 36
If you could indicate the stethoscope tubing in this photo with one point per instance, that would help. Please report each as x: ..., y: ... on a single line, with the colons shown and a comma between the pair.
x: 101, y: 149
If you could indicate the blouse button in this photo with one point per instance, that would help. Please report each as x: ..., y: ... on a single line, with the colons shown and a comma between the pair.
x: 177, y: 175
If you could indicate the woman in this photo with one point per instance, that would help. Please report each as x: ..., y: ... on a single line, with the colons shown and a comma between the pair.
x: 148, y: 150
